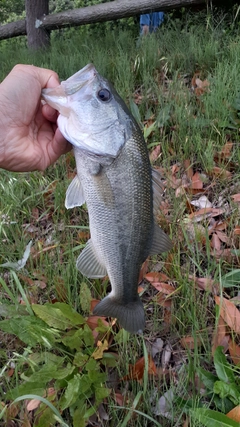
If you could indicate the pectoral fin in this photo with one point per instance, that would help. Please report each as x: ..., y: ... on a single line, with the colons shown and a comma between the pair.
x: 161, y: 242
x: 74, y: 195
x: 88, y: 263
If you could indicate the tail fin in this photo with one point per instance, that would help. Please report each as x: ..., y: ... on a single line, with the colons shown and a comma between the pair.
x: 130, y: 316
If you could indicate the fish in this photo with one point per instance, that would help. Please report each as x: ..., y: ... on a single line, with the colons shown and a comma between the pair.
x: 121, y: 190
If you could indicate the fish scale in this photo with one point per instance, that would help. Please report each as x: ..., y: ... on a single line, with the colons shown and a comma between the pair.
x: 115, y: 179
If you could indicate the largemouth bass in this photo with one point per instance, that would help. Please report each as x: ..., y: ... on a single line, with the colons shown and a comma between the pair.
x: 115, y: 179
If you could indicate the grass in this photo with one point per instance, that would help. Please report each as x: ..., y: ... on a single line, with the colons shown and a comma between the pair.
x: 156, y: 73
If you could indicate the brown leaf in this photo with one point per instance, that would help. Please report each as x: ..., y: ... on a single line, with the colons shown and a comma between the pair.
x: 196, y: 181
x: 237, y: 230
x: 221, y: 172
x: 189, y: 342
x: 93, y: 322
x: 236, y: 197
x: 215, y: 242
x: 227, y: 148
x: 93, y: 304
x: 234, y: 351
x: 83, y: 235
x: 136, y: 371
x: 219, y: 335
x: 225, y: 254
x: 205, y: 283
x: 234, y: 414
x: 119, y: 398
x: 33, y: 404
x: 223, y: 237
x: 220, y: 225
x: 155, y: 153
x: 230, y: 313
x: 188, y: 168
x: 161, y: 299
x: 165, y: 288
x: 207, y: 213
x: 156, y: 276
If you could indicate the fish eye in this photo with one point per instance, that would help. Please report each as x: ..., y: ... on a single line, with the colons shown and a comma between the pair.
x: 104, y: 95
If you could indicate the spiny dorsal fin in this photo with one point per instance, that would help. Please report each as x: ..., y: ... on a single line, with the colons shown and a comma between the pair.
x: 74, y: 195
x: 88, y: 263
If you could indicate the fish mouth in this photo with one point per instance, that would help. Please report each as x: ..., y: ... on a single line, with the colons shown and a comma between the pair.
x: 57, y: 97
x: 79, y: 79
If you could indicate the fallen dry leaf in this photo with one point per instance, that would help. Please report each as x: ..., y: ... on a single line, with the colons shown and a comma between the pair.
x: 190, y: 342
x: 161, y: 299
x: 219, y: 336
x: 165, y: 288
x: 136, y: 371
x: 207, y: 213
x: 221, y: 173
x: 234, y: 414
x: 227, y: 148
x: 196, y: 183
x: 223, y: 237
x: 234, y: 351
x: 236, y: 230
x: 93, y: 322
x: 155, y: 153
x: 102, y: 346
x: 229, y: 313
x: 33, y: 404
x: 188, y: 168
x: 215, y: 242
x: 202, y: 202
x: 236, y: 197
x: 119, y: 398
x: 156, y: 276
x: 205, y: 283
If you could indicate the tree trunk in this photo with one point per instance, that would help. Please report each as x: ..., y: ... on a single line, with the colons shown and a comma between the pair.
x: 37, y: 37
x: 38, y: 26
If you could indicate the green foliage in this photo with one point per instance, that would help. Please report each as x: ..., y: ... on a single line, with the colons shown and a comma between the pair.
x: 57, y: 348
x: 60, y: 328
x: 222, y: 390
x: 11, y: 10
x: 211, y: 418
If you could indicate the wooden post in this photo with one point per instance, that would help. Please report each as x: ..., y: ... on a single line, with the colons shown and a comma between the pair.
x: 37, y: 38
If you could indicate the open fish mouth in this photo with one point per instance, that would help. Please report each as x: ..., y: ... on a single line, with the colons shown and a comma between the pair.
x: 57, y: 96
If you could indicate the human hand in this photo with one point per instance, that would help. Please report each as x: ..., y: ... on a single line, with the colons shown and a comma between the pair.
x: 145, y: 29
x: 29, y: 137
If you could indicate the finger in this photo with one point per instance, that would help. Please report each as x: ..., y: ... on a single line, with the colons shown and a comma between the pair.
x: 62, y: 146
x: 49, y: 113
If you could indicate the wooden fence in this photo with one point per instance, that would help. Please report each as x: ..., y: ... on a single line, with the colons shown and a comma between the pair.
x: 39, y: 26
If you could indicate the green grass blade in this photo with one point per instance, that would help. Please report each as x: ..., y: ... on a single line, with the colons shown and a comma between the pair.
x: 43, y: 400
x: 211, y: 418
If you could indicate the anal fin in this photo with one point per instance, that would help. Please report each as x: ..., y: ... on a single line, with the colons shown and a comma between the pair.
x: 88, y: 263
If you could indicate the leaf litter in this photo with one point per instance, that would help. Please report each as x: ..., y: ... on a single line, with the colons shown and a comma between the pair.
x: 206, y: 216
